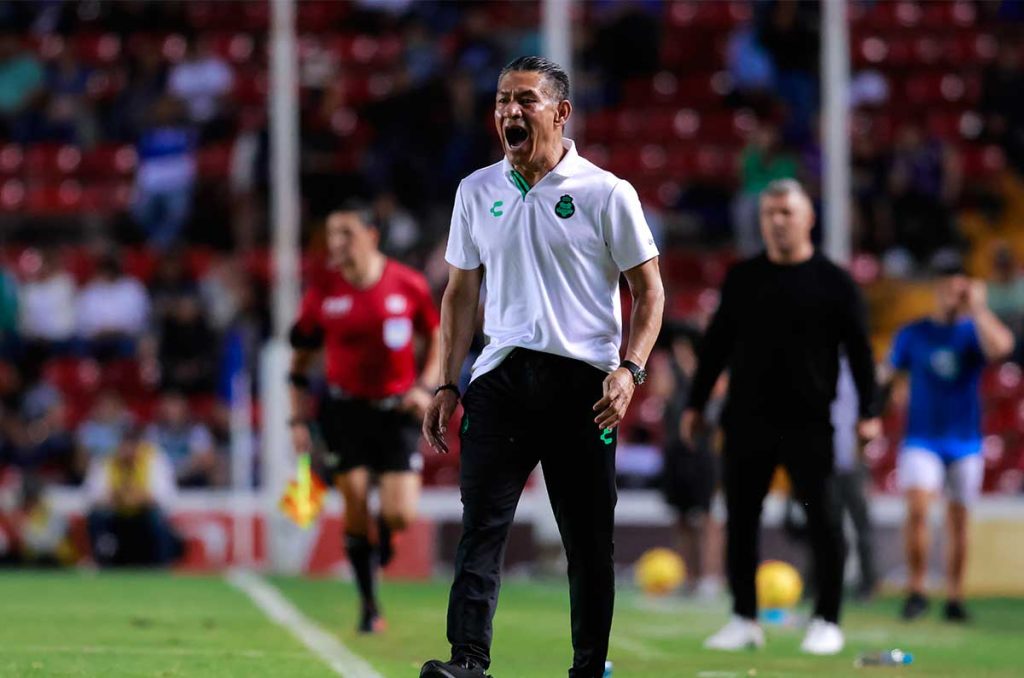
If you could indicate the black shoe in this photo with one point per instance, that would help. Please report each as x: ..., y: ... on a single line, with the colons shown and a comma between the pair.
x: 457, y: 668
x: 371, y: 622
x: 914, y: 606
x: 955, y: 612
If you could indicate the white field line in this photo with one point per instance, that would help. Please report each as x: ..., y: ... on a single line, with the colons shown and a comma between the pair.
x: 276, y: 607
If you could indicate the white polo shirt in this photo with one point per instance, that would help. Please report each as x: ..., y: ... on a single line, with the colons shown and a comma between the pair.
x: 552, y: 255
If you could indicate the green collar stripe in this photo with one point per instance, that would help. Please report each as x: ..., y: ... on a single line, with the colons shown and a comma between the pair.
x: 520, y: 183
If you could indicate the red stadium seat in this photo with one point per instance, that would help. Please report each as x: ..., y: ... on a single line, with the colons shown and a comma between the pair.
x: 54, y: 199
x: 11, y: 159
x: 98, y: 49
x: 51, y: 160
x: 103, y: 160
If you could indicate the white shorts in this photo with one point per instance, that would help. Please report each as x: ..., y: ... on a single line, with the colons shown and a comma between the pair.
x: 918, y: 468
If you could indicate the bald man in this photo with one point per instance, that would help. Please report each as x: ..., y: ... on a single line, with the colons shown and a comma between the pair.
x: 783, y: 319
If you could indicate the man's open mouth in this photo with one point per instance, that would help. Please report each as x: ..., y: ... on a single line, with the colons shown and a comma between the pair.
x: 516, y: 136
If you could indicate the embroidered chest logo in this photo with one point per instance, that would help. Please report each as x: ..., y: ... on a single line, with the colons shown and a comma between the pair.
x: 495, y: 208
x: 564, y: 207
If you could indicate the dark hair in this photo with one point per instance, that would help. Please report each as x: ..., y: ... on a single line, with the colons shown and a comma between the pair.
x: 361, y: 209
x: 557, y: 79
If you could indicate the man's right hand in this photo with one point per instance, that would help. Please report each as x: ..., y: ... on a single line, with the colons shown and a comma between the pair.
x: 302, y: 441
x: 435, y: 421
x: 692, y: 425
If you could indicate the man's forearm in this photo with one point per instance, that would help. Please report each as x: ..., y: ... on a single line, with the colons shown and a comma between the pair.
x: 995, y: 338
x: 432, y: 361
x: 645, y: 324
x: 458, y: 322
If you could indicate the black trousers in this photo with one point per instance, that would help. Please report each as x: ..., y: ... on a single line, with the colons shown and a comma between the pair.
x: 536, y: 407
x: 752, y: 452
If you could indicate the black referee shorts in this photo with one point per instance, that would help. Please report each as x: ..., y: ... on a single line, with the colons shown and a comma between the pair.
x: 366, y: 433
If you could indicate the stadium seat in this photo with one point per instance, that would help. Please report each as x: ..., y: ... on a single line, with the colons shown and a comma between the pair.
x: 102, y: 160
x: 98, y: 49
x: 48, y: 161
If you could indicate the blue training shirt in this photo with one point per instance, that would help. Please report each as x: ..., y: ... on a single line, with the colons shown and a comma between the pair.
x: 945, y: 364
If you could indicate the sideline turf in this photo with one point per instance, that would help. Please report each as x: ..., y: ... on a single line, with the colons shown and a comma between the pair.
x: 153, y: 624
x: 139, y: 624
x: 662, y: 638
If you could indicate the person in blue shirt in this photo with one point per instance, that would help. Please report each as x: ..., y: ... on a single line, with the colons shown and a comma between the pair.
x: 944, y: 355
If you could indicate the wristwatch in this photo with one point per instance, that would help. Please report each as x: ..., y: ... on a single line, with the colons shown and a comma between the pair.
x: 639, y: 373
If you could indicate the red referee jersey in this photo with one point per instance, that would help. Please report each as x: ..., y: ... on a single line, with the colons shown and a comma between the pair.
x: 368, y: 333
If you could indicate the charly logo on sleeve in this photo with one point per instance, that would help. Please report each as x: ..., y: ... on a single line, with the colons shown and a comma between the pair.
x: 564, y: 208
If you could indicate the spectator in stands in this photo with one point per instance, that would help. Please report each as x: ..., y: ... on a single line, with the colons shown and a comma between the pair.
x: 869, y: 175
x: 790, y: 35
x: 129, y: 493
x: 1002, y: 104
x: 99, y: 435
x: 166, y: 175
x: 188, y: 444
x: 10, y: 340
x: 41, y: 533
x: 203, y: 82
x: 751, y: 68
x: 41, y: 442
x: 21, y: 82
x: 170, y: 282
x: 627, y: 45
x: 46, y: 306
x: 185, y: 346
x: 112, y: 311
x: 145, y: 86
x: 67, y: 114
x: 763, y: 161
x: 924, y: 179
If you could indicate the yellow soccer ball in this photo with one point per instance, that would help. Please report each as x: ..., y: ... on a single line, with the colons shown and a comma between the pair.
x: 778, y: 585
x: 659, y: 571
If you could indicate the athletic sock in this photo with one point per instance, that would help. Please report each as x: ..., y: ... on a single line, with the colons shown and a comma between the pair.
x: 385, y: 547
x: 361, y: 555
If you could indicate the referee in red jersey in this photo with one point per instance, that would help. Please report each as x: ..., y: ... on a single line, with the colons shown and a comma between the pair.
x: 366, y: 313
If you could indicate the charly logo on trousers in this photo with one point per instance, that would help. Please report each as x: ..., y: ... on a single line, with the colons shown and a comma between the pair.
x: 564, y: 207
x: 607, y: 436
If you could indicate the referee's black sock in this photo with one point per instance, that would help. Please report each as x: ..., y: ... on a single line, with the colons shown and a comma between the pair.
x: 385, y: 549
x: 361, y: 554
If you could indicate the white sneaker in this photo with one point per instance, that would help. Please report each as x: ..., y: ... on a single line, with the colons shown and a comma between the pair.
x: 738, y: 634
x: 823, y: 638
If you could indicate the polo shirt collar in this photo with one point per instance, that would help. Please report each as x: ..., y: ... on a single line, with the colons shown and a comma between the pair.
x: 566, y: 167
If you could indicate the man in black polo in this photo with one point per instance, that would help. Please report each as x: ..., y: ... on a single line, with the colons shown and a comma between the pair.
x: 783, y: 318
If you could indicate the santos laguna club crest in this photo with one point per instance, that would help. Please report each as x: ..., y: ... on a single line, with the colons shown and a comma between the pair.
x: 564, y: 207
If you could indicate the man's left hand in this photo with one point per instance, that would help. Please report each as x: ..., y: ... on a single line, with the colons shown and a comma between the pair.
x: 618, y: 392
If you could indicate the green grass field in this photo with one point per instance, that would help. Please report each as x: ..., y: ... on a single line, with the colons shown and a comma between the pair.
x: 140, y: 624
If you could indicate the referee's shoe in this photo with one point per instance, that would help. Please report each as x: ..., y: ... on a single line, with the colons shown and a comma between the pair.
x: 456, y: 668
